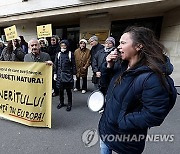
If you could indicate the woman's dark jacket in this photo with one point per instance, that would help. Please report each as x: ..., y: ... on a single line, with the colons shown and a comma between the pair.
x: 65, y: 68
x: 15, y: 55
x: 124, y: 116
x: 53, y: 50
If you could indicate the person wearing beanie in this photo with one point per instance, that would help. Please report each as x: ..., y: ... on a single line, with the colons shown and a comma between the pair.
x: 82, y: 58
x: 96, y: 46
x: 111, y: 39
x: 98, y: 60
x: 65, y: 68
x: 43, y: 45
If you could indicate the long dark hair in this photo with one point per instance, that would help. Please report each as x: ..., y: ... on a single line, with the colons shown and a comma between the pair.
x: 23, y: 42
x: 152, y: 52
x: 9, y: 47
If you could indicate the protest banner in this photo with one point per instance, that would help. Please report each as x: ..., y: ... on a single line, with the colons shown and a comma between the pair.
x: 44, y: 31
x: 25, y: 93
x: 11, y: 33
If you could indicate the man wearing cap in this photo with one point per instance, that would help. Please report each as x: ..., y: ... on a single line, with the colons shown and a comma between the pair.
x: 99, y: 59
x: 82, y: 58
x: 96, y: 46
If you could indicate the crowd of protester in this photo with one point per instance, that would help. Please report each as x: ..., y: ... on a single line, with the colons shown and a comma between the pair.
x: 133, y: 77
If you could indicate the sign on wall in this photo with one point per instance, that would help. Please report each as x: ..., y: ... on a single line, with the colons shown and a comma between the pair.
x: 102, y: 35
x: 25, y: 93
x: 11, y: 33
x: 44, y: 31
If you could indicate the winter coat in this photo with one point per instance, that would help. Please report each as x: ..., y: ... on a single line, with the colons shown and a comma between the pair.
x: 15, y: 55
x: 53, y: 50
x: 82, y: 59
x: 1, y: 48
x: 42, y: 57
x: 125, y: 114
x: 65, y: 68
x: 25, y: 48
x: 99, y: 58
x: 94, y: 50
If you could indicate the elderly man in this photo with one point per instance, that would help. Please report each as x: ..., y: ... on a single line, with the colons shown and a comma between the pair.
x: 35, y: 55
x: 96, y: 46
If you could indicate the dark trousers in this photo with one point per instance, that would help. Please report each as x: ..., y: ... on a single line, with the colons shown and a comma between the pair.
x: 84, y: 83
x: 69, y: 94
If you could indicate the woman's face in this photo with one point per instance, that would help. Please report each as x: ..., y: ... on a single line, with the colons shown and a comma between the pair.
x: 42, y: 43
x: 63, y: 46
x: 108, y: 44
x: 126, y: 48
x: 53, y: 41
x: 16, y: 41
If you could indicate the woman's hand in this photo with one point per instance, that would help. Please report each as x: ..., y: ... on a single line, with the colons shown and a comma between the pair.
x: 111, y: 58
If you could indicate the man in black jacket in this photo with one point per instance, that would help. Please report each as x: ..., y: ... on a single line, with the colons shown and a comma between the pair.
x: 96, y: 46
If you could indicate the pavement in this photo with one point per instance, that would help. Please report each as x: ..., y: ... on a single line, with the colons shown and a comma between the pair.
x: 65, y: 136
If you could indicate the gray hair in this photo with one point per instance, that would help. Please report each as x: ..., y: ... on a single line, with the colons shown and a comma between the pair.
x: 33, y: 39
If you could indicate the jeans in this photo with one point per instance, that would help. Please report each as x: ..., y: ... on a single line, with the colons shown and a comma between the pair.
x: 104, y: 148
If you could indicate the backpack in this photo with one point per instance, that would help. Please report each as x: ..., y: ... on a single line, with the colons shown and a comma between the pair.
x: 139, y: 84
x: 69, y: 54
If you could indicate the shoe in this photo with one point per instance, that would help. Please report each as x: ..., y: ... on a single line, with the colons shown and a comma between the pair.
x: 60, y: 106
x: 68, y: 108
x: 75, y: 89
x: 83, y: 91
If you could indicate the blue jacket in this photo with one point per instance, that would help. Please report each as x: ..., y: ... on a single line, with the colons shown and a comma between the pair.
x: 125, y: 116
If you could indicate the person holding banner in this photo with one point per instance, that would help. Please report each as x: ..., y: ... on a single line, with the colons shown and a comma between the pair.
x: 65, y: 68
x: 13, y: 52
x: 35, y: 55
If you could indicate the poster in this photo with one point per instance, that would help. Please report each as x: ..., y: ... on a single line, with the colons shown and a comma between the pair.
x: 11, y: 33
x: 44, y: 31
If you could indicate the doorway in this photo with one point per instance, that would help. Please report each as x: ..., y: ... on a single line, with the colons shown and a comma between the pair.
x: 71, y: 33
x: 153, y: 23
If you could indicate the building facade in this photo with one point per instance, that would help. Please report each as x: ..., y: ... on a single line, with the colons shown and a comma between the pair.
x: 75, y: 19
